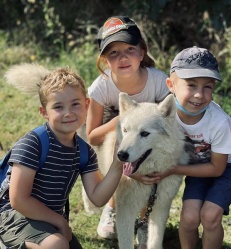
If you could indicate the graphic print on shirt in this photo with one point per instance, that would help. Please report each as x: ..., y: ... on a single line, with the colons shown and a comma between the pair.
x: 202, y: 148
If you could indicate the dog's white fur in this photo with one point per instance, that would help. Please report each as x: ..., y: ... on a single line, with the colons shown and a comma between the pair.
x: 26, y: 77
x: 143, y: 127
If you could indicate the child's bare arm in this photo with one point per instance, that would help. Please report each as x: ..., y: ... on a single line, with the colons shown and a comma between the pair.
x: 214, y: 168
x: 21, y: 184
x: 100, y: 190
x: 95, y: 128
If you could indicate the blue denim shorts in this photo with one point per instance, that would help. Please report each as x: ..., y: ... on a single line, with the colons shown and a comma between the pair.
x: 213, y: 189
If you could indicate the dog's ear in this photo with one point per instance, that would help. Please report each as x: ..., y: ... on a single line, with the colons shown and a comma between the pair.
x: 125, y: 103
x: 168, y: 106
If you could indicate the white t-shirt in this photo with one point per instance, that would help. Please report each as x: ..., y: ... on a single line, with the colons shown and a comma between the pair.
x: 104, y: 91
x: 211, y: 133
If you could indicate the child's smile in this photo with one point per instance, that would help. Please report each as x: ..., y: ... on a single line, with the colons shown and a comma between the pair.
x: 66, y: 111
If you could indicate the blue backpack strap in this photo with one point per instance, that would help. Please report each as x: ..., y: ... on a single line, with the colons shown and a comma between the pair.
x: 44, y: 143
x: 5, y: 159
x: 83, y: 160
x: 3, y: 171
x: 44, y: 148
x: 83, y: 148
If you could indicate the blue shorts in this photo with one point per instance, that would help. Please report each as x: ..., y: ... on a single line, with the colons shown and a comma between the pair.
x: 213, y: 189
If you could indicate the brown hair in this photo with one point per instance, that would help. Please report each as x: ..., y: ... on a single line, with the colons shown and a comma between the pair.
x: 56, y: 81
x: 146, y: 62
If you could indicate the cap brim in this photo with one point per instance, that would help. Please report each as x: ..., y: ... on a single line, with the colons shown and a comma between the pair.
x: 196, y: 73
x: 121, y: 37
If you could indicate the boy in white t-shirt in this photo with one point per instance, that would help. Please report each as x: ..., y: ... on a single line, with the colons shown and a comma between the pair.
x: 207, y: 193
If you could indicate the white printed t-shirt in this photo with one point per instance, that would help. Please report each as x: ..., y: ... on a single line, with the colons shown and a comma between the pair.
x: 211, y: 133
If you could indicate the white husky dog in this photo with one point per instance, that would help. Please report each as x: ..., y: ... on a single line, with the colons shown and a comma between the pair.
x: 148, y: 140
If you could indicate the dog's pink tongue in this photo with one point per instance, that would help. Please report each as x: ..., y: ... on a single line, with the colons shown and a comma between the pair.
x: 127, y: 168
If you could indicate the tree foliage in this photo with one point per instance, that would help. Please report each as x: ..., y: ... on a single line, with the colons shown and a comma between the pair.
x: 167, y: 25
x: 64, y: 24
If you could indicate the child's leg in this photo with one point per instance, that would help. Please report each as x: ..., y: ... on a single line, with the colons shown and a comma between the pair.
x: 54, y: 241
x: 111, y: 203
x: 189, y: 223
x: 193, y: 196
x: 107, y: 227
x: 211, y: 220
x: 18, y: 231
x: 217, y: 202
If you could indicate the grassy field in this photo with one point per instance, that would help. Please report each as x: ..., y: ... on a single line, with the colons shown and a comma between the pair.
x: 85, y: 225
x: 19, y: 114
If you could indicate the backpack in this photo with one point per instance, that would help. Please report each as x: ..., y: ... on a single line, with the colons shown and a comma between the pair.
x: 42, y: 135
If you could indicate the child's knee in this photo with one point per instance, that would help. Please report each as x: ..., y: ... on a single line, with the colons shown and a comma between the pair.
x: 54, y: 241
x: 189, y: 218
x: 211, y: 212
x: 211, y: 219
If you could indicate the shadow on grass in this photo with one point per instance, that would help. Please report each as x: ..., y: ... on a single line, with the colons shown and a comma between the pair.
x: 97, y: 242
x: 171, y: 241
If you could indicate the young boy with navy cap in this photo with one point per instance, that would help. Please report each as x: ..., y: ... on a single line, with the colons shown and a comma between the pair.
x: 207, y: 193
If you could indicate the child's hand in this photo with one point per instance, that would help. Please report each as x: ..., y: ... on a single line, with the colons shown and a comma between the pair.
x: 162, y: 175
x: 65, y: 230
x: 149, y: 179
x: 114, y: 161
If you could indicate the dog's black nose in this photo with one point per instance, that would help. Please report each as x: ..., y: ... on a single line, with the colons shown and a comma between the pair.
x: 123, y: 156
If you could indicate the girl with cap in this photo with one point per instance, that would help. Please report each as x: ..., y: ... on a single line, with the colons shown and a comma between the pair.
x: 125, y: 66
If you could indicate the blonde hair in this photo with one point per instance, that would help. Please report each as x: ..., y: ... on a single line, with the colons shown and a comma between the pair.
x: 56, y: 81
x: 146, y: 62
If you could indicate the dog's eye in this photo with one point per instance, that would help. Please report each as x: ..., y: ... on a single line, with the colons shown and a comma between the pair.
x: 144, y: 134
x: 125, y: 130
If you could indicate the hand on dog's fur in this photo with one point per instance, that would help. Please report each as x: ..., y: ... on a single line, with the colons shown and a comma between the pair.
x: 162, y: 175
x: 115, y: 162
x: 149, y: 179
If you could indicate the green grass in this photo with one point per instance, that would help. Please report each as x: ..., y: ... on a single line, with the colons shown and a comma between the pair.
x: 85, y: 225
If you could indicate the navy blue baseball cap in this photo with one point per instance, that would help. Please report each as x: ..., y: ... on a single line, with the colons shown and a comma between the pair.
x: 195, y: 62
x: 120, y: 29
